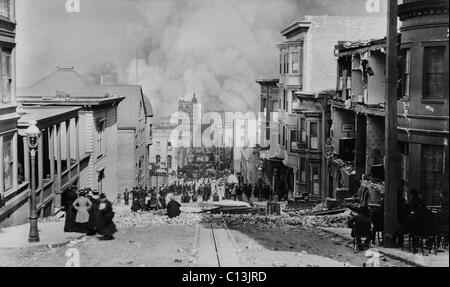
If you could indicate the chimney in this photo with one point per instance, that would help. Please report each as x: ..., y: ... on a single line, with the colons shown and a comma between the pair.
x: 101, y: 79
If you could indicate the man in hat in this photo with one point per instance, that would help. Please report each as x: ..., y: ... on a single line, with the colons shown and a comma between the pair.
x: 106, y: 226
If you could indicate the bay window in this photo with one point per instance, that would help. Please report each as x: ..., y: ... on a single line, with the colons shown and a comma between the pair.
x: 303, y: 130
x: 7, y: 158
x: 406, y: 73
x: 314, y: 135
x: 6, y: 76
x: 295, y: 62
x: 432, y: 173
x: 434, y: 79
x: 5, y: 8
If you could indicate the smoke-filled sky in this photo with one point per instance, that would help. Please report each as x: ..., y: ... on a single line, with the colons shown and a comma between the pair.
x: 215, y: 48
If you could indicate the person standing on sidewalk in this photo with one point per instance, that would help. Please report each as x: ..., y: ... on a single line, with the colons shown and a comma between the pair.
x: 107, y: 228
x: 126, y: 196
x: 68, y: 198
x: 92, y: 227
x: 82, y: 205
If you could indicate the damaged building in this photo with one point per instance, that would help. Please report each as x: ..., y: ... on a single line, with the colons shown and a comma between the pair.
x: 357, y: 136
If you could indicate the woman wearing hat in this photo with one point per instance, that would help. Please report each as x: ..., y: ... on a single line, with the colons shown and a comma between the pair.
x: 105, y: 216
x: 82, y: 205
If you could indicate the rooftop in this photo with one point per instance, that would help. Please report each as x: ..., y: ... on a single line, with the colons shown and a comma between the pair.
x: 65, y: 86
x: 42, y: 114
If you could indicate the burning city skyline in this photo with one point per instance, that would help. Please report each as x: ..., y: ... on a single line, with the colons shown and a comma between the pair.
x: 212, y: 48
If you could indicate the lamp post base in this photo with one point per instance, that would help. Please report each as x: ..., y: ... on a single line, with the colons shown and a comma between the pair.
x: 33, y: 239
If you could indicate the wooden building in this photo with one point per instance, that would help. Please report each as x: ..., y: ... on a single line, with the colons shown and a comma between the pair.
x: 98, y: 122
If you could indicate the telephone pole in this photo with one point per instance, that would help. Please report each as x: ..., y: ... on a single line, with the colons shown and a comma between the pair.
x: 391, y: 143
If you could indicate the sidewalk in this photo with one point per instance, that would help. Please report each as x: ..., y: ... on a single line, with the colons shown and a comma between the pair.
x: 50, y: 233
x: 431, y: 260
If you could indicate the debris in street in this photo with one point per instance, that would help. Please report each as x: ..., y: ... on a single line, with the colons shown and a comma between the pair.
x: 125, y: 218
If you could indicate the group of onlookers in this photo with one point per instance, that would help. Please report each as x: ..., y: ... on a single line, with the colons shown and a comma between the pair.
x: 413, y: 217
x: 87, y: 211
x: 148, y: 199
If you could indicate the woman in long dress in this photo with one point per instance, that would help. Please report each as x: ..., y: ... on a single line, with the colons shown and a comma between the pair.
x: 107, y: 228
x: 68, y: 198
x: 82, y: 205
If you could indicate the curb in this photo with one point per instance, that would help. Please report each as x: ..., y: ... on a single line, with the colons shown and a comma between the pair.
x: 53, y: 245
x: 387, y: 254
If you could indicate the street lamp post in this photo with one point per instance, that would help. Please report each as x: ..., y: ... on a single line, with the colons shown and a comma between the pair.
x: 32, y: 133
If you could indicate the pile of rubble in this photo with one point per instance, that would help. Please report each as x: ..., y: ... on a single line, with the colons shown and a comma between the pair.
x: 140, y: 219
x: 286, y: 220
x: 335, y: 220
x: 304, y: 211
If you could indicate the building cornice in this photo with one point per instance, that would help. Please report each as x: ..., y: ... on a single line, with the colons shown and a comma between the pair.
x: 422, y: 8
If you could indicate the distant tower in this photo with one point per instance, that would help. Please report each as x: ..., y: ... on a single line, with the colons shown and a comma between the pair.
x: 194, y: 99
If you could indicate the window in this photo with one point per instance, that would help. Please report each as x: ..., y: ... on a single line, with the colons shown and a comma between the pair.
x: 101, y: 137
x: 101, y: 176
x: 302, y: 130
x: 158, y: 159
x: 169, y: 162
x: 302, y: 170
x: 169, y: 146
x: 286, y: 63
x: 432, y: 173
x: 293, y: 138
x: 434, y: 72
x: 5, y: 8
x: 284, y: 136
x: 6, y: 76
x: 314, y: 135
x: 404, y: 165
x: 284, y: 99
x: 295, y: 62
x: 7, y: 163
x: 281, y: 63
x: 315, y: 180
x: 406, y: 72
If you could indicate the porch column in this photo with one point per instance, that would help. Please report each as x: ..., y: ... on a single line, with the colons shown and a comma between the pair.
x: 77, y: 143
x: 51, y: 155
x: 15, y: 171
x: 51, y: 152
x: 57, y: 129
x: 41, y: 169
x: 1, y: 165
x: 26, y: 157
x: 69, y: 164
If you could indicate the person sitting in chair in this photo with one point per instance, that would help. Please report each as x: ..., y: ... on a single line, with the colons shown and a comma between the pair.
x: 377, y: 220
x: 361, y: 227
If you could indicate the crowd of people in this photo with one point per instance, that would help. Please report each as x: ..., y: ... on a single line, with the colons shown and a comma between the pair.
x: 87, y: 211
x: 413, y: 218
